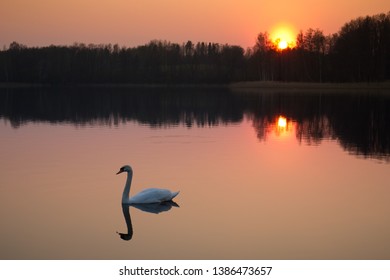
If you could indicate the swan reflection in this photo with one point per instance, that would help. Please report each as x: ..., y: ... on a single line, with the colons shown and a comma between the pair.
x: 154, y: 208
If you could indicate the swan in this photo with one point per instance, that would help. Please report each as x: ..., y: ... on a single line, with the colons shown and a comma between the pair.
x: 151, y: 195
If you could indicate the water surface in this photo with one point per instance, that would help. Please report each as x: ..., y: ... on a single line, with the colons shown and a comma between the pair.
x: 262, y: 175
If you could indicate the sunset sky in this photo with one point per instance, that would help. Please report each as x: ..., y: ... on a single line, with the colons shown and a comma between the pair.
x: 133, y: 22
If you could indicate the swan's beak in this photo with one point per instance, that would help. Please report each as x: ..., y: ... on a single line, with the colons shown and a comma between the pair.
x: 120, y: 171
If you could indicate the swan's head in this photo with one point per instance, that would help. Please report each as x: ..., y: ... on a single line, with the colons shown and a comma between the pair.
x: 125, y: 168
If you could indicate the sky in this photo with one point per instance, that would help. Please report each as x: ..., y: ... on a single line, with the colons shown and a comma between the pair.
x: 132, y: 23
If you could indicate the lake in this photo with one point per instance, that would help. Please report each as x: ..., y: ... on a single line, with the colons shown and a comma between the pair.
x: 261, y: 174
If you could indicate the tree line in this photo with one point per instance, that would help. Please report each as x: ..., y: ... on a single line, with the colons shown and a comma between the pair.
x: 155, y: 62
x: 359, y: 52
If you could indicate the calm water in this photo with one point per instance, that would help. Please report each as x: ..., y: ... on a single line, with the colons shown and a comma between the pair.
x: 262, y: 175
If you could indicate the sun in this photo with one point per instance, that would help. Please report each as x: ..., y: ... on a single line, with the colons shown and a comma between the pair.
x: 283, y: 36
x: 282, y: 45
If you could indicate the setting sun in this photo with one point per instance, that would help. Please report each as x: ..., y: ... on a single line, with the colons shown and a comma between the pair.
x: 283, y: 36
x: 282, y: 45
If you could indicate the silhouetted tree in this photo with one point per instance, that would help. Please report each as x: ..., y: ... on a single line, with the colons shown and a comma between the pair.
x: 362, y: 49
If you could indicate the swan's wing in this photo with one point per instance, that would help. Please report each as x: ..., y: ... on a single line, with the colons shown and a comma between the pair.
x: 174, y: 194
x: 153, y: 195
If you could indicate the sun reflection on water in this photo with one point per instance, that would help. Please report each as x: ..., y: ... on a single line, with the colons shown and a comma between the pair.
x: 283, y: 127
x: 282, y: 122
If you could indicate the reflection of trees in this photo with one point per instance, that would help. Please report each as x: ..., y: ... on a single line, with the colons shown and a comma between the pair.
x: 111, y: 106
x: 365, y: 125
x: 261, y: 126
x: 358, y: 121
x: 314, y: 130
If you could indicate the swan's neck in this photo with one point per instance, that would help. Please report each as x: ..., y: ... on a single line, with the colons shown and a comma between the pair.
x: 126, y: 191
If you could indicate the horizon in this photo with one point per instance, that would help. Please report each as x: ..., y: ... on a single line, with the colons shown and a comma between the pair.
x: 64, y: 23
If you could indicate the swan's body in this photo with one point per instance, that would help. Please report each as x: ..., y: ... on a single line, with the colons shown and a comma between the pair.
x: 151, y: 195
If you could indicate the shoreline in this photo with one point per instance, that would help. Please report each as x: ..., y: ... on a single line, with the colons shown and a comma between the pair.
x: 246, y: 86
x: 110, y: 85
x: 308, y: 85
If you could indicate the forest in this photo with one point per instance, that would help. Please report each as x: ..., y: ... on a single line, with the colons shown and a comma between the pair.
x: 359, y: 52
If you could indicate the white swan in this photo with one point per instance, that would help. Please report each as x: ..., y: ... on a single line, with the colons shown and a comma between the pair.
x: 151, y: 195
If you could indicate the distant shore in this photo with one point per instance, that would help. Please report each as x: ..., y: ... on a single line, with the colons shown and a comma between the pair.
x: 254, y: 86
x: 304, y: 86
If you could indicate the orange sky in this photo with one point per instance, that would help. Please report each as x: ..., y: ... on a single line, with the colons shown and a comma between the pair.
x: 134, y: 22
